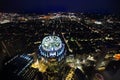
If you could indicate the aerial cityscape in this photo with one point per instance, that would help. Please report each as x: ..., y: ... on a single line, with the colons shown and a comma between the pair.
x: 59, y: 46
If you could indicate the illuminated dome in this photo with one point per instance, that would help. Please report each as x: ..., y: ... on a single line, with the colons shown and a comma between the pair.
x: 51, y: 43
x: 52, y: 47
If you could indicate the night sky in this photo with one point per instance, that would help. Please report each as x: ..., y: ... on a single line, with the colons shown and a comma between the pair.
x: 45, y: 6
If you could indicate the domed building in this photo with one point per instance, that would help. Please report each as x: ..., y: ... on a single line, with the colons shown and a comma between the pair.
x: 53, y: 52
x: 52, y: 49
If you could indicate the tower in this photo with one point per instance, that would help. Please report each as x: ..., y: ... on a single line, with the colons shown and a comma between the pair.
x: 53, y: 52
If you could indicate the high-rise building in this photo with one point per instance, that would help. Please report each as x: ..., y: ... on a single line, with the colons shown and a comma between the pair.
x: 18, y: 68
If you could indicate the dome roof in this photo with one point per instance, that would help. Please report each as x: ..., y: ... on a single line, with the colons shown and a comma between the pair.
x: 51, y: 43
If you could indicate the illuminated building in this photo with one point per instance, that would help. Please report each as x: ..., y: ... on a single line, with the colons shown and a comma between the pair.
x: 18, y: 68
x: 117, y: 56
x: 52, y: 49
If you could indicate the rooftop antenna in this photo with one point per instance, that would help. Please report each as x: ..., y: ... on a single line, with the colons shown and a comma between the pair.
x: 53, y: 33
